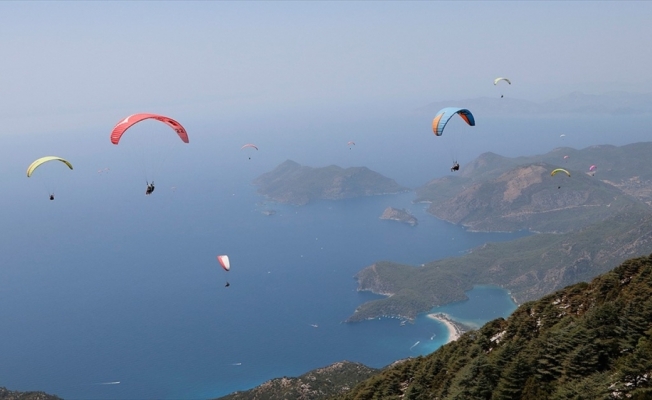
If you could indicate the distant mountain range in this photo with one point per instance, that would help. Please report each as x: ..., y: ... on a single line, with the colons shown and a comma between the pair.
x: 612, y: 103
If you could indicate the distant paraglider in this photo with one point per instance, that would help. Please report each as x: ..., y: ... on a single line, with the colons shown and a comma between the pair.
x: 501, y: 79
x: 226, y: 265
x: 37, y: 163
x: 249, y: 146
x: 558, y: 170
x: 350, y: 143
x: 592, y: 169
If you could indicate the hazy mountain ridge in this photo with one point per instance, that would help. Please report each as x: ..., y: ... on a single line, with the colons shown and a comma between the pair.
x: 296, y: 184
x: 610, y: 103
x: 495, y: 193
x: 586, y: 341
x: 527, y: 197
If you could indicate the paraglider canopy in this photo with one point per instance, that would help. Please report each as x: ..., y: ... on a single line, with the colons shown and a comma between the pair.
x: 224, y: 262
x: 445, y: 114
x: 42, y: 160
x: 128, y: 122
x: 558, y: 170
x: 501, y: 79
x: 249, y: 145
x: 351, y: 143
x: 592, y: 168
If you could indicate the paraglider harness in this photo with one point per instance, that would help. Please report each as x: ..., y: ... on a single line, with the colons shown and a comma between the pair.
x: 52, y: 196
x: 150, y: 188
x: 455, y: 167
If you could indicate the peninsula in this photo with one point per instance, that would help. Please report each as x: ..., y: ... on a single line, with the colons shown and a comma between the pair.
x: 291, y: 183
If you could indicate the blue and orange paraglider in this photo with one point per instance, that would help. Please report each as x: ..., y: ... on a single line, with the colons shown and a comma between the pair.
x: 445, y: 114
x: 441, y: 119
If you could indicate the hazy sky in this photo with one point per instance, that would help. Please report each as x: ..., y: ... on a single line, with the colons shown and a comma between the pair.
x: 71, y: 64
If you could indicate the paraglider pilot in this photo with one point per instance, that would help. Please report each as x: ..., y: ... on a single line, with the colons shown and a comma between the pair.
x: 150, y: 188
x: 52, y: 196
x: 455, y: 167
x: 227, y: 284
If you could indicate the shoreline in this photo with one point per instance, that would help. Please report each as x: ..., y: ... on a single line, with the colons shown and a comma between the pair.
x: 454, y: 331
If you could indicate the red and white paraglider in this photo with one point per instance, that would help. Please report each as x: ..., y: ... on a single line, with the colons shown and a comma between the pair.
x: 121, y: 127
x: 226, y: 265
x: 133, y: 119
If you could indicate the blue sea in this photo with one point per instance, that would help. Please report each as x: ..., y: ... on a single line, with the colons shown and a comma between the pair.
x: 106, y: 285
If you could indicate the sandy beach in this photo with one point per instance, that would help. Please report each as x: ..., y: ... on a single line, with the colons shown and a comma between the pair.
x: 453, y: 331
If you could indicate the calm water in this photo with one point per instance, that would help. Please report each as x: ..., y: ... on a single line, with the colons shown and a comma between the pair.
x: 93, y: 302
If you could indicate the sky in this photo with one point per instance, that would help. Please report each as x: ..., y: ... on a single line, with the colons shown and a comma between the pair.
x: 77, y: 65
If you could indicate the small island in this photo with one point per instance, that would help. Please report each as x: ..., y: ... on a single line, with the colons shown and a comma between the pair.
x: 291, y: 183
x: 402, y: 215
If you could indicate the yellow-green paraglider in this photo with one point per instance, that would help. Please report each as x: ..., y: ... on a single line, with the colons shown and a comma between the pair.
x: 43, y: 160
x: 32, y: 167
x: 558, y: 170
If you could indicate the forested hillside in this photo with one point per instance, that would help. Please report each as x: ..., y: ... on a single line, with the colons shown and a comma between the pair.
x: 586, y: 341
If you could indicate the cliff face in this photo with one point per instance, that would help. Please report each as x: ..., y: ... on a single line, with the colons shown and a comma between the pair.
x: 395, y: 214
x: 295, y: 184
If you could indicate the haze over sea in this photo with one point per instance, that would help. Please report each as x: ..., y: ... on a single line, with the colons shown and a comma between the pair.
x: 107, y: 285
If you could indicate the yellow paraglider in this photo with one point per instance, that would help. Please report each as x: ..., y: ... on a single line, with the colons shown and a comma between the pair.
x: 32, y: 167
x: 42, y: 160
x: 558, y: 170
